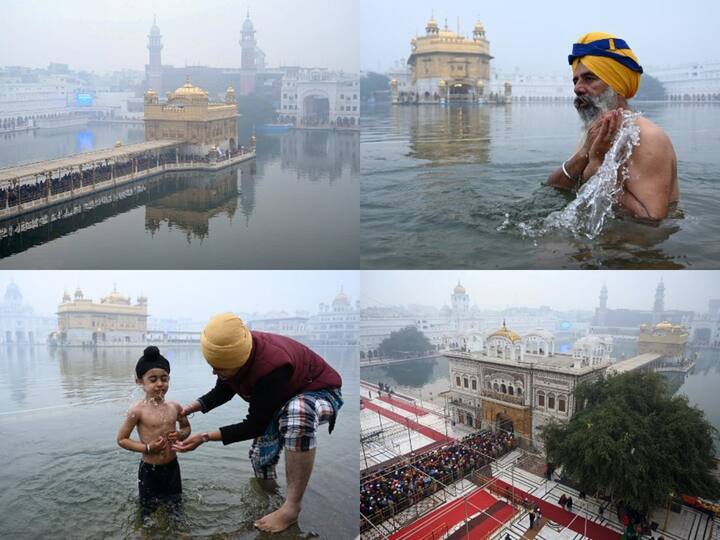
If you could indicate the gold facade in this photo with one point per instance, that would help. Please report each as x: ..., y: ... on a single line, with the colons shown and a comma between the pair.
x: 451, y: 57
x: 664, y: 338
x: 188, y: 115
x: 114, y: 313
x: 521, y: 416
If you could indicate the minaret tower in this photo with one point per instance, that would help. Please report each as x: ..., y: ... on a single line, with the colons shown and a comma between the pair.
x: 601, y: 311
x: 603, y: 297
x: 153, y: 71
x: 659, y: 305
x: 247, y: 63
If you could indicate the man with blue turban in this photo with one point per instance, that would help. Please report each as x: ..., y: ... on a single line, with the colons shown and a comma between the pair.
x: 606, y: 73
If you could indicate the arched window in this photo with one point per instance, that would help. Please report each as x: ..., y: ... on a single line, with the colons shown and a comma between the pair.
x: 503, y: 389
x: 541, y: 399
x: 496, y: 387
x: 511, y: 390
x: 519, y: 391
x: 551, y: 401
x: 561, y: 404
x: 474, y: 384
x: 465, y: 382
x: 457, y: 380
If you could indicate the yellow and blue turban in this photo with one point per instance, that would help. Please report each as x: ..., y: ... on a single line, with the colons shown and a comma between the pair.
x: 611, y: 59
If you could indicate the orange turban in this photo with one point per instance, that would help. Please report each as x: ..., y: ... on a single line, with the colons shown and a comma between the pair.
x: 226, y: 342
x: 611, y: 59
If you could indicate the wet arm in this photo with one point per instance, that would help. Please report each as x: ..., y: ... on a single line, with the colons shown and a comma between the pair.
x: 268, y: 396
x: 126, y: 429
x: 574, y: 167
x: 184, y: 424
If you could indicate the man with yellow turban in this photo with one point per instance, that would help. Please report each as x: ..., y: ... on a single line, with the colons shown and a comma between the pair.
x: 606, y: 73
x: 291, y: 391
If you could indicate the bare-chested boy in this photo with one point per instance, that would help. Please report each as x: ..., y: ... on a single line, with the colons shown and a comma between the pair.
x: 156, y: 421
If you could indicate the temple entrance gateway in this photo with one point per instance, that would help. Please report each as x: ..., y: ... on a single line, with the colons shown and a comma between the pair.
x: 460, y: 91
x: 504, y: 422
x: 316, y: 110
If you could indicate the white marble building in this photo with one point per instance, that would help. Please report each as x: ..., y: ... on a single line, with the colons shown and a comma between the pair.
x: 19, y: 325
x: 689, y: 82
x: 519, y: 382
x: 534, y: 87
x: 318, y: 97
x: 337, y: 324
x: 705, y: 327
x: 24, y: 102
x: 460, y: 325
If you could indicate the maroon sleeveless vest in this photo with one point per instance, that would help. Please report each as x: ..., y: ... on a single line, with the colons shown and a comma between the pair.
x: 271, y: 351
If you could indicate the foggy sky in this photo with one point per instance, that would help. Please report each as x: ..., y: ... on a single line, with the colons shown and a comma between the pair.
x: 536, y: 37
x: 197, y: 295
x: 106, y: 35
x: 561, y: 290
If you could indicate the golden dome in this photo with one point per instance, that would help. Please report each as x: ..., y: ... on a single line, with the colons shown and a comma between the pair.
x: 665, y: 325
x: 442, y: 84
x: 190, y: 91
x: 230, y: 90
x: 432, y: 23
x: 115, y: 298
x: 151, y: 92
x: 459, y: 289
x: 341, y: 299
x: 506, y: 333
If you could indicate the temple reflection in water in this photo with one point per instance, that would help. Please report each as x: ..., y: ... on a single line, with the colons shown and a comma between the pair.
x: 197, y: 199
x: 320, y: 155
x: 455, y: 132
x: 301, y: 186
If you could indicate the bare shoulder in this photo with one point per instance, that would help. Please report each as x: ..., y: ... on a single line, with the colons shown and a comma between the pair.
x: 135, y: 412
x: 653, y: 139
x: 175, y: 406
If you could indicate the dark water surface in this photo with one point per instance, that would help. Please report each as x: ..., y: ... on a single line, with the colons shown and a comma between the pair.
x: 65, y: 477
x: 296, y: 206
x: 459, y: 186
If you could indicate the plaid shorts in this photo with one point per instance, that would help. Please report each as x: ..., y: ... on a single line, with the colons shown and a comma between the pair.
x: 297, y: 423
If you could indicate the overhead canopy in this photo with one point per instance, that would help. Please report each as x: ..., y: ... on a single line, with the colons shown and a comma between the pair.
x: 636, y: 362
x: 69, y: 162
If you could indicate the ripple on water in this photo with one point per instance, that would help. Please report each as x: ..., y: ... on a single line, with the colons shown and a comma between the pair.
x: 434, y: 203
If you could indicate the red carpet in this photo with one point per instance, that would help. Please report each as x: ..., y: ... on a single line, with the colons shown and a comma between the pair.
x: 560, y: 515
x: 404, y: 405
x: 430, y: 433
x: 444, y: 518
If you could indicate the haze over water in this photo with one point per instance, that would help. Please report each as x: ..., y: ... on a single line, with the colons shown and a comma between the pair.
x: 458, y: 186
x: 295, y: 206
x: 62, y: 409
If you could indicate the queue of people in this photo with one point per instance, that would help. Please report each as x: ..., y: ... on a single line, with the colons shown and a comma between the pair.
x: 394, y: 488
x: 23, y: 193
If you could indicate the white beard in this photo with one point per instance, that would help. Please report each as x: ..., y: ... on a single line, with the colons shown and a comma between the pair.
x: 589, y: 107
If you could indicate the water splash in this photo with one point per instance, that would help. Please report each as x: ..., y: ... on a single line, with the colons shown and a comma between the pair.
x: 587, y: 214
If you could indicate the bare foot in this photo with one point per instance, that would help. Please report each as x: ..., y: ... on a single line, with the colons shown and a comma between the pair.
x: 280, y: 519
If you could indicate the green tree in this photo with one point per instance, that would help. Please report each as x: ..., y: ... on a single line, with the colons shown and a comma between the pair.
x: 404, y: 343
x: 650, y: 89
x: 635, y: 442
x: 373, y: 82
